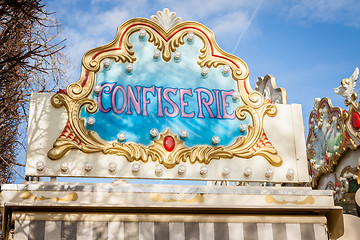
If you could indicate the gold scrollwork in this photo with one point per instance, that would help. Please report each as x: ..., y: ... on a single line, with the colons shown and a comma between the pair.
x: 75, y: 135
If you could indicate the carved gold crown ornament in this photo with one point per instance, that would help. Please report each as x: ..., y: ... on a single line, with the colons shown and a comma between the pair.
x: 166, y: 32
x: 267, y: 87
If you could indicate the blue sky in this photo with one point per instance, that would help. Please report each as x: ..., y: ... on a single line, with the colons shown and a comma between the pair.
x: 308, y: 46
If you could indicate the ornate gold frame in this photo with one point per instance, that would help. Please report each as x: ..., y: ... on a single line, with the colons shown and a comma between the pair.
x: 350, y: 136
x: 75, y: 135
x: 314, y: 119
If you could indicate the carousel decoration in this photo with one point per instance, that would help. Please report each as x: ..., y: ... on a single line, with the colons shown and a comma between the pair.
x: 325, y: 139
x: 332, y: 131
x: 267, y: 87
x: 346, y: 183
x: 140, y: 52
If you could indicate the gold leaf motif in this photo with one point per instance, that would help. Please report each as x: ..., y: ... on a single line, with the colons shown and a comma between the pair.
x: 27, y: 195
x: 308, y: 200
x: 199, y: 198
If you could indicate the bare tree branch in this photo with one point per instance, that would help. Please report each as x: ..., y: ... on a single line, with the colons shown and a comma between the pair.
x: 31, y: 60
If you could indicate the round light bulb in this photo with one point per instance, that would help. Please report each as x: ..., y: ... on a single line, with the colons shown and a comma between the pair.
x: 181, y: 170
x: 88, y: 167
x: 177, y: 55
x: 269, y: 173
x: 97, y: 89
x: 226, y: 171
x: 121, y: 137
x: 203, y: 171
x: 40, y: 166
x: 106, y: 62
x: 215, y: 140
x: 64, y: 167
x: 129, y: 67
x: 112, y: 167
x: 204, y: 71
x: 184, y: 134
x: 154, y: 132
x: 290, y: 174
x: 157, y: 53
x: 243, y: 127
x: 90, y: 121
x: 190, y: 36
x: 159, y: 170
x: 247, y: 172
x: 142, y: 33
x: 135, y: 168
x: 226, y: 69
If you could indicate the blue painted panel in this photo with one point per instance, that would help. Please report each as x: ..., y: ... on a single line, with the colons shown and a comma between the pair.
x: 164, y: 83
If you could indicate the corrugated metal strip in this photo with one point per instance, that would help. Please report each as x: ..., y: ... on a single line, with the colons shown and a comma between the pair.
x: 78, y: 230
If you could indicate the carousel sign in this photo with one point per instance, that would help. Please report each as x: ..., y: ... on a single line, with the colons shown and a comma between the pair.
x: 163, y: 92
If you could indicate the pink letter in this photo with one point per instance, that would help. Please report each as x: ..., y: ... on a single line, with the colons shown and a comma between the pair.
x: 184, y: 103
x: 135, y: 102
x: 145, y: 101
x: 110, y: 85
x: 160, y: 111
x: 113, y: 99
x: 225, y: 104
x: 217, y: 103
x: 204, y: 102
x: 167, y: 98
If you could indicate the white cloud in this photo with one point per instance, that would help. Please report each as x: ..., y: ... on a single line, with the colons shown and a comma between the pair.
x: 91, y: 24
x: 238, y: 20
x: 328, y: 11
x: 221, y: 16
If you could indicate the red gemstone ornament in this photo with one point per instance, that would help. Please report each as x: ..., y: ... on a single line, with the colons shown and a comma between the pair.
x: 169, y: 143
x: 356, y: 120
x: 327, y: 160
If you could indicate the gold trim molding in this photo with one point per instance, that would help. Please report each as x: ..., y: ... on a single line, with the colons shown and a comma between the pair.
x: 308, y: 200
x: 76, y: 96
x: 27, y: 195
x: 199, y: 198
